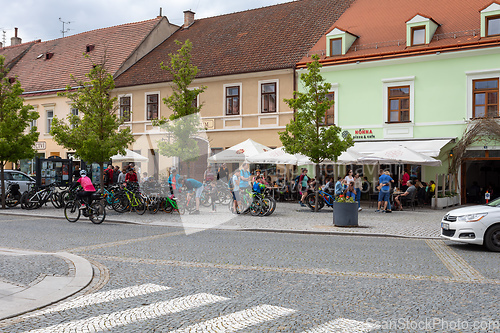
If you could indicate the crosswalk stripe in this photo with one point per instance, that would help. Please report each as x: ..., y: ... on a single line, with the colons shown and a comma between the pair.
x: 103, y: 297
x: 238, y: 320
x: 122, y: 318
x: 342, y: 325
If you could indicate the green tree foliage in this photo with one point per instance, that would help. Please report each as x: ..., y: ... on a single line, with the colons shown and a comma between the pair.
x: 16, y: 142
x: 184, y: 121
x: 96, y: 136
x: 306, y: 133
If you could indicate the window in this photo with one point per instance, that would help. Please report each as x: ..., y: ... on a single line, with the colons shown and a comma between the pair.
x: 32, y: 124
x: 335, y: 46
x: 152, y: 106
x: 417, y: 35
x: 125, y: 108
x: 329, y: 115
x: 493, y: 25
x: 74, y: 112
x: 399, y: 104
x: 50, y: 115
x: 232, y: 101
x: 268, y: 97
x: 485, y: 102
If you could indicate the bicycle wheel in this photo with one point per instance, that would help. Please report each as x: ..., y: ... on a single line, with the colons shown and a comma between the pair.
x: 311, y: 202
x: 140, y: 205
x: 206, y: 199
x: 153, y: 205
x: 269, y: 205
x: 121, y: 205
x: 97, y: 213
x: 256, y: 207
x: 29, y: 203
x: 72, y: 211
x: 11, y: 200
x: 56, y: 200
x: 166, y: 206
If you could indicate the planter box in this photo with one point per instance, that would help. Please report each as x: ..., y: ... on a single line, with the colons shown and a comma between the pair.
x: 345, y: 214
x: 440, y: 203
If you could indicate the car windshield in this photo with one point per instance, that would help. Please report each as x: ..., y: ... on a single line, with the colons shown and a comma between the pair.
x: 494, y: 203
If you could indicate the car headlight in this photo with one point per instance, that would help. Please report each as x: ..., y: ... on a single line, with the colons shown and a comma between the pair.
x: 471, y: 217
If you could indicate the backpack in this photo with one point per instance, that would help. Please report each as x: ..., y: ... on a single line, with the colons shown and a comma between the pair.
x: 297, y: 183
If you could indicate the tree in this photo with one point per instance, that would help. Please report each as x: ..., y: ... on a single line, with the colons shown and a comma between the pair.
x: 184, y: 121
x: 306, y: 133
x: 96, y: 136
x: 15, y: 142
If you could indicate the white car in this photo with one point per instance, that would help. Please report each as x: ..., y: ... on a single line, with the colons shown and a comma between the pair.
x: 474, y: 225
x: 20, y: 178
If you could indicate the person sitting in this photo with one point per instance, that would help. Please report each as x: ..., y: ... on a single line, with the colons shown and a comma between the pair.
x: 258, y: 185
x: 88, y: 188
x: 339, y: 186
x: 410, y: 193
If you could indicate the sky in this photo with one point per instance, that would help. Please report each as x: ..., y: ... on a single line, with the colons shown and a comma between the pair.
x: 37, y: 19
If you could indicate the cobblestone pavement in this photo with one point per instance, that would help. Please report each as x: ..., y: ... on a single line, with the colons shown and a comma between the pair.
x: 288, y: 217
x: 151, y: 278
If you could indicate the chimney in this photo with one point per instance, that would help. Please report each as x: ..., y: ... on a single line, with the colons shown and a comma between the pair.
x: 188, y: 19
x: 15, y: 40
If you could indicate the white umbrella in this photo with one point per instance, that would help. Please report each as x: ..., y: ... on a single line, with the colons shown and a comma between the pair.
x: 400, y: 155
x: 129, y: 157
x: 239, y: 153
x: 279, y: 156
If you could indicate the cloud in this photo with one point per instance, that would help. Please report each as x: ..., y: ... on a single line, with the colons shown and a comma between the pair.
x: 40, y: 19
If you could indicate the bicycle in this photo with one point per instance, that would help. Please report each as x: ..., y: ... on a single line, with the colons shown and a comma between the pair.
x: 95, y: 211
x: 34, y: 198
x: 323, y: 198
x: 130, y: 200
x: 12, y: 196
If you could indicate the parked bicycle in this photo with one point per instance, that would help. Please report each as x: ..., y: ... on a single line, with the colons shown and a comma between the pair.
x: 13, y: 195
x: 37, y: 197
x: 324, y: 198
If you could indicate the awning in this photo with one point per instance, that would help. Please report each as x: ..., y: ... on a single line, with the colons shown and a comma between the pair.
x: 429, y: 147
x: 130, y: 156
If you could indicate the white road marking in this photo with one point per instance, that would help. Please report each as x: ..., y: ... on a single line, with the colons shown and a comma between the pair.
x: 238, y: 320
x: 103, y: 297
x: 342, y: 325
x: 121, y: 318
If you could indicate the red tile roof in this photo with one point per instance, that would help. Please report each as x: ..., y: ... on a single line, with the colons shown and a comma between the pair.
x: 12, y: 54
x: 381, y: 27
x: 36, y: 73
x: 262, y: 39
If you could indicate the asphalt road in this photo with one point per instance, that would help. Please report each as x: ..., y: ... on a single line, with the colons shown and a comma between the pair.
x: 157, y: 279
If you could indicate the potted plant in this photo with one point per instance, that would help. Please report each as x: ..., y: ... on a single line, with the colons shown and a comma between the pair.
x: 345, y: 212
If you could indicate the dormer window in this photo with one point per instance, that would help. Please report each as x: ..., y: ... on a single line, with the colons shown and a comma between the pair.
x: 335, y: 46
x: 89, y: 48
x: 48, y: 55
x: 418, y: 35
x: 490, y: 20
x: 420, y: 30
x: 338, y: 42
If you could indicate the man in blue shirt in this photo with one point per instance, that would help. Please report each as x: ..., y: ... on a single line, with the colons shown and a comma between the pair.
x: 244, y: 176
x: 193, y: 186
x: 384, y: 195
x: 173, y: 180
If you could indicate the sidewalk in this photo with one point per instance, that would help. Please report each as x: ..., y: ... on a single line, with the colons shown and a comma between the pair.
x: 30, y: 280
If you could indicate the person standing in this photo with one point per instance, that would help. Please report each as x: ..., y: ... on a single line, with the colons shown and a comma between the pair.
x: 76, y: 173
x: 385, y: 192
x: 234, y: 187
x: 222, y: 173
x: 131, y: 176
x: 116, y: 173
x: 108, y: 175
x: 404, y: 181
x: 303, y: 181
x: 358, y: 184
x: 244, y: 176
x: 121, y: 176
x: 349, y: 177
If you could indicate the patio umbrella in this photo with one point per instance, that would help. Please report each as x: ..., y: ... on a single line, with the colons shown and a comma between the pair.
x: 279, y: 156
x: 239, y: 153
x: 129, y: 157
x: 400, y: 155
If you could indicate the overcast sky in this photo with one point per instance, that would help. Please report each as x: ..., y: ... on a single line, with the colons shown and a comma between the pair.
x: 40, y: 19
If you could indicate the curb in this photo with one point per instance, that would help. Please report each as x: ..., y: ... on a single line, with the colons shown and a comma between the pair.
x: 49, y: 290
x: 282, y: 231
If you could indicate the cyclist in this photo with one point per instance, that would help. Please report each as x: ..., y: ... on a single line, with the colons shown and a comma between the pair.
x: 88, y: 189
x: 173, y: 179
x: 193, y: 185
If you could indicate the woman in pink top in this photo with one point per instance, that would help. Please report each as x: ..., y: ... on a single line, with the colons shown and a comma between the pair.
x: 88, y: 187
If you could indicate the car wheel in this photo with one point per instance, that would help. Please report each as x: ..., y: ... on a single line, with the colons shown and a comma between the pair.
x: 492, y: 238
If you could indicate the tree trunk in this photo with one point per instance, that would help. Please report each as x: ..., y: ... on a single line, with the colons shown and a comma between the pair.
x: 316, y: 186
x: 2, y: 182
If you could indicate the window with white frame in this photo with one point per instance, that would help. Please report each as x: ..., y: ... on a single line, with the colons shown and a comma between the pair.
x: 399, y: 100
x: 125, y: 107
x: 50, y: 116
x: 152, y: 106
x: 232, y: 100
x: 74, y: 112
x: 268, y: 98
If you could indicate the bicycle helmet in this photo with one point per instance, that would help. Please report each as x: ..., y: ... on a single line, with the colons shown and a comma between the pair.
x: 83, y: 173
